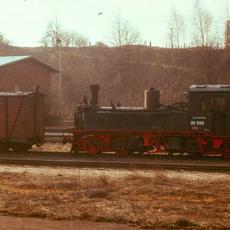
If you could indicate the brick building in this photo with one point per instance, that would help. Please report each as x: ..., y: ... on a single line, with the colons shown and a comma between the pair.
x: 25, y: 72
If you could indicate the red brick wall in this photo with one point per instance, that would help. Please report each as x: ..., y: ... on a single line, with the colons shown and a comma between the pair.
x: 27, y: 73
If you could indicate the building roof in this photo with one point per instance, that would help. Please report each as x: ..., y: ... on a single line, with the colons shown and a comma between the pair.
x: 4, y: 60
x: 7, y: 60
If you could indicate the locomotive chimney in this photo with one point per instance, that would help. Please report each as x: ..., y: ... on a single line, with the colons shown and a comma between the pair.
x: 94, y: 91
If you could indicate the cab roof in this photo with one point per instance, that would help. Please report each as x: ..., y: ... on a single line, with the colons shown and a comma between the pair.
x: 209, y: 88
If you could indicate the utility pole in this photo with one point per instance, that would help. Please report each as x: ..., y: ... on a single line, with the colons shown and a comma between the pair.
x: 172, y: 46
x: 227, y: 34
x: 171, y: 37
x: 60, y: 69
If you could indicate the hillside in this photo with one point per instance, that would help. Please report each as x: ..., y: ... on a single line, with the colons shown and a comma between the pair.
x: 124, y: 72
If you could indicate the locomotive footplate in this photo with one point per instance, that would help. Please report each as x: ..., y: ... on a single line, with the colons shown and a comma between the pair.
x: 129, y: 142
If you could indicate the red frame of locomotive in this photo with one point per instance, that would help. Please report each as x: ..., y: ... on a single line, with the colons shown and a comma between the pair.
x: 98, y: 141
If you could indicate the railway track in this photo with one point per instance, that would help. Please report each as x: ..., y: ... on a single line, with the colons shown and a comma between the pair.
x: 108, y: 161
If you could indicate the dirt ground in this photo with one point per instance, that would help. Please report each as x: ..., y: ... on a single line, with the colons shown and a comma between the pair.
x: 25, y: 223
x: 156, y: 201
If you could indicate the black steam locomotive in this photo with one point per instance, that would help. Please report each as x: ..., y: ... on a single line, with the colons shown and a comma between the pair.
x: 199, y: 127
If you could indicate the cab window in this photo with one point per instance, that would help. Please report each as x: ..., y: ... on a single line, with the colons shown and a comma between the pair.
x: 205, y: 105
x: 218, y: 103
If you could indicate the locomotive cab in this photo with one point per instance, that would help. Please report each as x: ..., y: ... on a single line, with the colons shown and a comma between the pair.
x: 209, y: 107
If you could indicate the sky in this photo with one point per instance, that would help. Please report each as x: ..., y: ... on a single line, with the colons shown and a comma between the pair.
x: 23, y: 22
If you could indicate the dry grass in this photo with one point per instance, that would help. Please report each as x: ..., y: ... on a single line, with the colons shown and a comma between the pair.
x: 148, y: 202
x: 52, y: 147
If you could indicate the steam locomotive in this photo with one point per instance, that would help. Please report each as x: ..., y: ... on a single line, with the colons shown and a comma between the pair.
x: 199, y: 127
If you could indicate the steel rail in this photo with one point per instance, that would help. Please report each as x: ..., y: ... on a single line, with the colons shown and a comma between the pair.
x: 66, y: 160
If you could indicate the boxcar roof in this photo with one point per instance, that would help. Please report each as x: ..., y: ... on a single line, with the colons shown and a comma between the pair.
x: 6, y: 60
x: 15, y: 93
x: 209, y: 88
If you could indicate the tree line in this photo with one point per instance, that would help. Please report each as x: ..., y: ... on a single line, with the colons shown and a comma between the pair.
x: 203, y: 31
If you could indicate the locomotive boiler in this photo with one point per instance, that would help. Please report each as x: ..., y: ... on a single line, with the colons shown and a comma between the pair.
x: 199, y: 127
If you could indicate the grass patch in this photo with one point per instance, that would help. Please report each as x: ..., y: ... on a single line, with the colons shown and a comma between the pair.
x: 148, y: 202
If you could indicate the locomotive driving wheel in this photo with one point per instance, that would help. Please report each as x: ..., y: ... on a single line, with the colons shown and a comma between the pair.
x: 93, y: 146
x: 74, y: 148
x: 119, y: 146
x: 135, y: 145
x: 3, y: 147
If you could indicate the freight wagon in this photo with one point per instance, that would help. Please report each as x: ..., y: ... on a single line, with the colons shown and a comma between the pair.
x: 21, y: 120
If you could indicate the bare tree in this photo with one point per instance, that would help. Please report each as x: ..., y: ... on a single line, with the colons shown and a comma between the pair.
x: 79, y: 40
x: 3, y: 40
x: 126, y: 56
x: 55, y: 35
x: 204, y: 34
x: 226, y: 13
x: 123, y: 33
x: 176, y: 28
x: 74, y: 39
x: 124, y: 36
x: 226, y: 34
